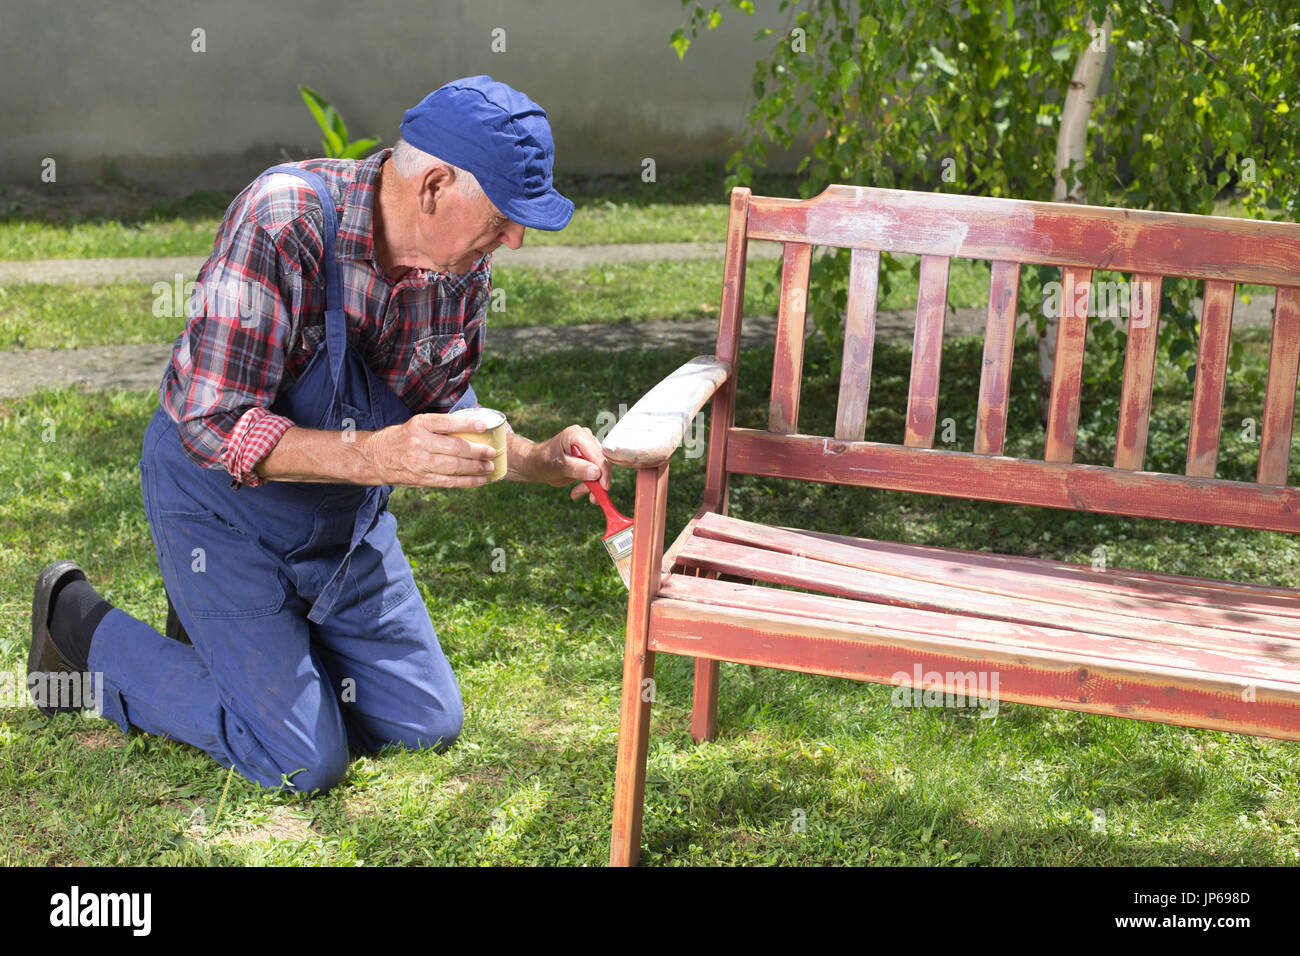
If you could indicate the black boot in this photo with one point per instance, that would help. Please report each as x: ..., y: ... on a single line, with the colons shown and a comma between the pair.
x: 58, y: 664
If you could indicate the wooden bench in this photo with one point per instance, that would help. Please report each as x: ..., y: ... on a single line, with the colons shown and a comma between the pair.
x: 1178, y: 650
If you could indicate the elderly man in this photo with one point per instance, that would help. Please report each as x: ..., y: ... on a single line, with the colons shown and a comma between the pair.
x: 342, y: 317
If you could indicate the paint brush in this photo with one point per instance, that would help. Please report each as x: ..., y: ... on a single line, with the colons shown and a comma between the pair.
x: 618, y: 528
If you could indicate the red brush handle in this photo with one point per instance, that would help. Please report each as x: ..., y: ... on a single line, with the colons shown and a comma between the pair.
x: 614, y: 522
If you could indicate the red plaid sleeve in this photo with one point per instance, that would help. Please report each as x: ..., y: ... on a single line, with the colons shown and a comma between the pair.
x: 227, y: 366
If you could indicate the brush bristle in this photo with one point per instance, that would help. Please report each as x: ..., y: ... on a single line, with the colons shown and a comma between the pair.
x: 624, y: 567
x: 619, y: 547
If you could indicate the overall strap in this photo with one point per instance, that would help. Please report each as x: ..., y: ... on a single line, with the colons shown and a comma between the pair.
x: 336, y: 323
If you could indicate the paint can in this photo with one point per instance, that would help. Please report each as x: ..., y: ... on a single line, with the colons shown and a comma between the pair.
x: 494, y: 435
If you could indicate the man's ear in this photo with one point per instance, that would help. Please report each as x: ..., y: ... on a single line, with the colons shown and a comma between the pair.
x: 436, y: 183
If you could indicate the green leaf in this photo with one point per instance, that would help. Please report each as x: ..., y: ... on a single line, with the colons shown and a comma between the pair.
x: 680, y: 43
x: 331, y: 144
x: 325, y: 115
x: 849, y: 71
x: 333, y: 133
x: 359, y: 148
x: 941, y: 61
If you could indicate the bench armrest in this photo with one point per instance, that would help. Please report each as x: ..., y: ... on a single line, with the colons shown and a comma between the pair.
x: 654, y: 427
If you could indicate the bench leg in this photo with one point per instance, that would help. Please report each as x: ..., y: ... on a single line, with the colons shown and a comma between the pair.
x: 629, y: 780
x: 704, y: 712
x: 638, y: 666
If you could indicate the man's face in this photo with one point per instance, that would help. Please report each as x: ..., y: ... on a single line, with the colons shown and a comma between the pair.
x: 454, y: 231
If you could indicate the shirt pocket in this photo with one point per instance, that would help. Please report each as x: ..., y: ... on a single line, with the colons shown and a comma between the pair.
x: 439, y: 364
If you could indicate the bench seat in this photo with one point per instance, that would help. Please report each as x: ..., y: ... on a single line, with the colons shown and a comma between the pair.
x: 1183, y: 650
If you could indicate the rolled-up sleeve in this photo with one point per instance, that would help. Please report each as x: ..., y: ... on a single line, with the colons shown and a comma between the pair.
x: 255, y: 434
x: 228, y: 364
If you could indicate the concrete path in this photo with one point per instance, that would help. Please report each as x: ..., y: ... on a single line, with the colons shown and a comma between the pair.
x: 99, y: 271
x: 141, y: 366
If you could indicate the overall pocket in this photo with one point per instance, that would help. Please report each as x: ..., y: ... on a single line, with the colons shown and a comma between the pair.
x: 219, y: 571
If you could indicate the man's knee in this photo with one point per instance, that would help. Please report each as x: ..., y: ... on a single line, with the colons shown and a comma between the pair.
x: 436, y: 729
x: 296, y: 758
x: 321, y: 773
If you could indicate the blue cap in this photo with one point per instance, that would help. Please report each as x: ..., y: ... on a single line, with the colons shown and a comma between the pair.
x: 499, y: 135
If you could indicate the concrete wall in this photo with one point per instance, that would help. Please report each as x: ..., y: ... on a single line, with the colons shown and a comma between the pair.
x: 85, y: 81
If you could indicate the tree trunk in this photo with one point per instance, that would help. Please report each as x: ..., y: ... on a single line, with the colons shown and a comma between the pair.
x: 1072, y: 149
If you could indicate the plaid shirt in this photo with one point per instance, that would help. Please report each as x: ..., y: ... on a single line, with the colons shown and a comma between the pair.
x: 257, y: 317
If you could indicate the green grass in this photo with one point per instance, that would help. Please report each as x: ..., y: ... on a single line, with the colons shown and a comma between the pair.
x: 593, y: 224
x: 621, y: 292
x: 40, y: 315
x: 53, y: 315
x: 538, y: 652
x: 124, y: 219
x: 121, y: 219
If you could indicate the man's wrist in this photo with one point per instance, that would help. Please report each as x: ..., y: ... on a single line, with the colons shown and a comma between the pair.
x: 521, y: 455
x: 304, y: 454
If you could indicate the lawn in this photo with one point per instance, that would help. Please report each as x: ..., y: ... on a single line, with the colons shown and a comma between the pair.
x: 119, y: 218
x: 538, y: 651
x: 160, y: 235
x: 56, y: 315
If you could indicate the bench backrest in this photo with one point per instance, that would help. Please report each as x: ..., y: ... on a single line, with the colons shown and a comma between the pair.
x: 1009, y: 233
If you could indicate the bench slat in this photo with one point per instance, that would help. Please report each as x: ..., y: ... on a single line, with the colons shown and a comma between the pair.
x: 1043, y: 637
x: 927, y: 351
x: 1238, y: 596
x: 1067, y: 370
x: 1233, y: 504
x: 1279, y: 396
x: 1211, y: 377
x: 1034, y: 578
x: 728, y: 349
x: 787, y: 368
x: 826, y: 578
x: 1143, y: 691
x: 732, y: 306
x: 859, y: 341
x: 995, y: 377
x: 1055, y: 234
x: 1139, y: 373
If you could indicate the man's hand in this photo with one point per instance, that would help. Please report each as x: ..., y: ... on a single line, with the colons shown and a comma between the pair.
x: 551, y: 462
x: 417, y: 454
x: 422, y: 453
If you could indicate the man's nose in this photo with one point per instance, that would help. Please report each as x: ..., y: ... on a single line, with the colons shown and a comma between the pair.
x: 513, y: 235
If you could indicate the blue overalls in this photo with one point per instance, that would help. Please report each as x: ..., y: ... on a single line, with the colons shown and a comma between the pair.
x: 308, y: 630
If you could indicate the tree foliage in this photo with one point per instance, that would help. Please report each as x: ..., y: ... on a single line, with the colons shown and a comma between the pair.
x: 966, y: 97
